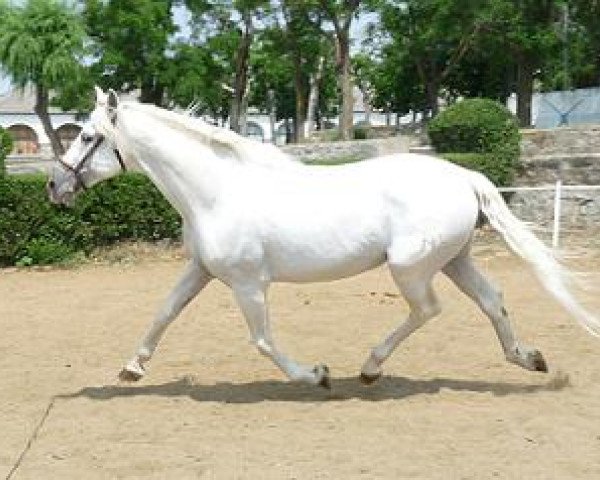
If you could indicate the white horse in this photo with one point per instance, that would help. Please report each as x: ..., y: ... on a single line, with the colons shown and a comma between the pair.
x: 253, y: 216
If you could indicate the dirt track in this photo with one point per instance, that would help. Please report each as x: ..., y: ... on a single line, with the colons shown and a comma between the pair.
x: 211, y: 407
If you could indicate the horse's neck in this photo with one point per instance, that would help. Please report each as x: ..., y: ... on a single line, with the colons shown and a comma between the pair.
x: 185, y: 171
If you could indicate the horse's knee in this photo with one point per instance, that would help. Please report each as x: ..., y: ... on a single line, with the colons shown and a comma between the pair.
x: 425, y: 312
x: 432, y: 310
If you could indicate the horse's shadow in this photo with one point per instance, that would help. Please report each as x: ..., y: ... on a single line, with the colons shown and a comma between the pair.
x: 388, y: 388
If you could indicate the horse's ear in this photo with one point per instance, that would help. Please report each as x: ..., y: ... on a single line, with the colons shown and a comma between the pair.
x: 100, y: 95
x: 113, y: 99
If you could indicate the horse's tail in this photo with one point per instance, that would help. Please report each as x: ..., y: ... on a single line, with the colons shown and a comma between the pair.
x: 553, y: 276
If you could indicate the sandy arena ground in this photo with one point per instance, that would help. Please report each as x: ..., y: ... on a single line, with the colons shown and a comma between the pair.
x: 211, y: 407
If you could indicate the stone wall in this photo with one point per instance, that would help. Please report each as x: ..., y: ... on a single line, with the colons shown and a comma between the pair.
x: 570, y: 154
x: 337, y: 152
x: 583, y: 139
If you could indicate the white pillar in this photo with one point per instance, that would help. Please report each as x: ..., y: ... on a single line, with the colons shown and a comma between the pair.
x: 556, y: 221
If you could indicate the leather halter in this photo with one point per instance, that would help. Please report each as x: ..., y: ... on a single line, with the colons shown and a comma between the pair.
x: 76, y: 170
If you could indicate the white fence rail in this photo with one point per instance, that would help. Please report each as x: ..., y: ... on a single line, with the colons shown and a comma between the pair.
x: 558, y: 188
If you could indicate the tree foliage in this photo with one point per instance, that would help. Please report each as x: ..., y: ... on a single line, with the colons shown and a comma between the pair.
x: 266, y: 54
x: 131, y: 44
x: 42, y: 44
x: 432, y: 36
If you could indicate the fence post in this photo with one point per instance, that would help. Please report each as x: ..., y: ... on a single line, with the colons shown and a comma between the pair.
x: 556, y: 220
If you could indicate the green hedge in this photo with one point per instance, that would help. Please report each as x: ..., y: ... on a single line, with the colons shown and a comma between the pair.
x: 484, y: 132
x: 33, y: 231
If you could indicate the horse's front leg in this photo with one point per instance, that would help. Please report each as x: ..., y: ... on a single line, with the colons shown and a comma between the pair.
x: 252, y: 302
x: 194, y: 278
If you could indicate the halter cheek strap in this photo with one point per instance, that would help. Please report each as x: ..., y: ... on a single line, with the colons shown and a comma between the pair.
x: 76, y: 170
x: 120, y: 159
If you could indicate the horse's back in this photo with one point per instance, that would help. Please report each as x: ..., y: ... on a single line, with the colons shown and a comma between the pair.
x: 419, y: 189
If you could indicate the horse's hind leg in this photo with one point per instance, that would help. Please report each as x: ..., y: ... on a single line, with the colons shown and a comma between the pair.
x: 252, y: 302
x: 471, y: 282
x: 423, y: 306
x: 194, y: 279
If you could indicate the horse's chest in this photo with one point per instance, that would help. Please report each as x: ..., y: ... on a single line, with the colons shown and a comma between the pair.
x: 225, y: 246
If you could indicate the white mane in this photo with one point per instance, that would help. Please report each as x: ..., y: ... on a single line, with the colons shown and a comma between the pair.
x: 243, y: 149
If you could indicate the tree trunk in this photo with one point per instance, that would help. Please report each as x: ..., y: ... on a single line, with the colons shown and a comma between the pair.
x: 41, y: 109
x: 427, y: 74
x: 272, y: 115
x: 300, y: 100
x: 341, y: 22
x: 288, y: 130
x: 243, y: 114
x: 313, y: 98
x: 152, y: 92
x: 432, y: 92
x: 241, y: 75
x: 367, y: 105
x: 345, y: 81
x: 524, y: 91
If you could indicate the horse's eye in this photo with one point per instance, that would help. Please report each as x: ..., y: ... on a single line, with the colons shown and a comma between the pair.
x: 86, y: 137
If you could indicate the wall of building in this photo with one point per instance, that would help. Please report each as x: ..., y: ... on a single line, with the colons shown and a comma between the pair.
x: 31, y: 120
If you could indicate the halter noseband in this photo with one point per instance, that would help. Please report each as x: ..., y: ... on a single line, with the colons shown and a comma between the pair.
x: 76, y: 170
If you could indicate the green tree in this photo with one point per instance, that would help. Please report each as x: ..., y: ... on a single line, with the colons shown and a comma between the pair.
x: 275, y: 71
x: 578, y: 65
x: 487, y: 70
x: 303, y: 39
x: 42, y: 44
x: 433, y: 34
x: 392, y: 75
x: 341, y: 13
x: 6, y: 144
x: 530, y: 31
x: 131, y: 42
x: 272, y: 75
x: 230, y: 23
x: 196, y: 76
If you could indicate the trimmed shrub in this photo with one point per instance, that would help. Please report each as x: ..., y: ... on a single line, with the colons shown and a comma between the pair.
x: 33, y: 231
x: 491, y: 165
x: 6, y: 144
x: 485, y: 130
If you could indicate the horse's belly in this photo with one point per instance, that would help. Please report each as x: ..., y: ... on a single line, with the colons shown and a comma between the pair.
x: 324, y: 256
x: 313, y: 268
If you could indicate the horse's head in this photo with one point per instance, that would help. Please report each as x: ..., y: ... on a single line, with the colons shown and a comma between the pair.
x: 92, y: 157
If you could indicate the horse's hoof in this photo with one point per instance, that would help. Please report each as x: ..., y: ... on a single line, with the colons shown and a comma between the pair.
x: 538, y: 362
x: 367, y: 379
x: 126, y: 375
x: 323, y: 372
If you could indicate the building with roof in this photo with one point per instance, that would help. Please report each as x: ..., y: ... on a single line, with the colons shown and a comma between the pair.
x: 30, y: 142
